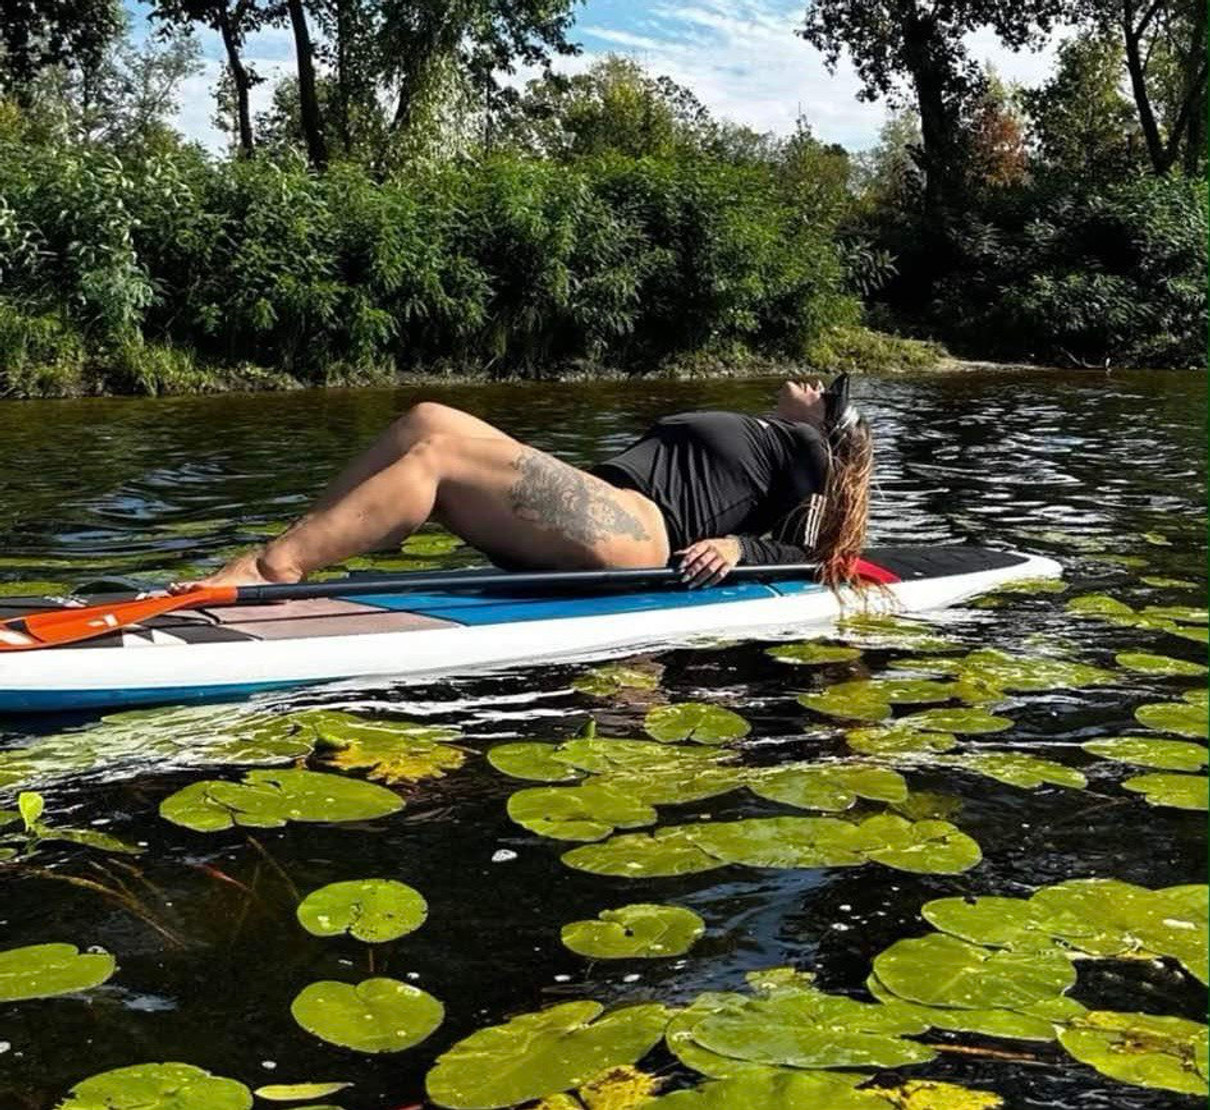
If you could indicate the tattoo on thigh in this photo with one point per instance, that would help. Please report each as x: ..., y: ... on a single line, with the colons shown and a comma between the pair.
x: 557, y: 496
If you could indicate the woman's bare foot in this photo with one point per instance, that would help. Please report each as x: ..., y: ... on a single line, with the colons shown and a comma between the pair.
x: 249, y: 569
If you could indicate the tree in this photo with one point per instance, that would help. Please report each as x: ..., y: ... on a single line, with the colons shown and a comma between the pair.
x: 1164, y: 43
x: 234, y: 20
x: 1081, y: 126
x: 615, y: 107
x: 889, y: 40
x: 38, y: 34
x: 996, y: 154
x: 419, y: 40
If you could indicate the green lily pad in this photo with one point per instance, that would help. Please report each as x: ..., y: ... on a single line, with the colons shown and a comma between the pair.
x: 1157, y: 539
x: 1182, y: 614
x: 659, y: 854
x: 612, y: 677
x: 999, y: 671
x: 1103, y: 607
x: 779, y: 841
x: 296, y: 1092
x: 543, y: 1053
x: 376, y: 1015
x: 773, y: 1089
x: 929, y: 1094
x: 1197, y: 697
x: 883, y: 631
x: 1169, y: 755
x: 870, y: 699
x: 389, y: 750
x: 990, y: 921
x: 1197, y: 635
x: 268, y: 799
x: 942, y: 970
x: 157, y: 1087
x: 1113, y: 559
x: 531, y: 760
x: 46, y: 970
x: 1017, y: 769
x: 989, y: 1023
x: 430, y: 543
x: 966, y: 720
x: 1140, y: 1049
x: 1157, y: 664
x: 812, y: 653
x: 371, y: 910
x: 898, y: 738
x: 1168, y: 583
x: 641, y: 930
x: 1182, y: 717
x: 587, y: 812
x: 929, y: 847
x: 1178, y: 791
x: 1032, y: 586
x: 651, y: 772
x: 833, y: 787
x: 697, y: 721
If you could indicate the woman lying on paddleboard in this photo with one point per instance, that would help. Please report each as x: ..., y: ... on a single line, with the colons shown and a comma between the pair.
x: 701, y: 490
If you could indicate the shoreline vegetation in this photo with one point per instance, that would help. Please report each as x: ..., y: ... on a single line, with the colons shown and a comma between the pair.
x: 599, y: 225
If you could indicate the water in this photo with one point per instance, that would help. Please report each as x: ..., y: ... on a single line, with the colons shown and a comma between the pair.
x: 1069, y: 465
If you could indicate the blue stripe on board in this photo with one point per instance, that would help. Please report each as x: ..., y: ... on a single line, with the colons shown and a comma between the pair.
x: 495, y: 608
x: 51, y: 701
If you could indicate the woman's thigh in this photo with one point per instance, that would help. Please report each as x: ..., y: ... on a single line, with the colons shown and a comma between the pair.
x: 528, y: 508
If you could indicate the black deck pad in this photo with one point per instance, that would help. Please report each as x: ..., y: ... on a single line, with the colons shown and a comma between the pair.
x: 909, y: 563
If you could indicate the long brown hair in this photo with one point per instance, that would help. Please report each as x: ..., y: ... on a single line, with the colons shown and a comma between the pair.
x: 840, y: 538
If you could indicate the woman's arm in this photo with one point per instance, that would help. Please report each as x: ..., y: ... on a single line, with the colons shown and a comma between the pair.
x: 708, y: 562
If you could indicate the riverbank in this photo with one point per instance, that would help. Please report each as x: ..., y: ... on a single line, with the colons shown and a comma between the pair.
x: 68, y: 369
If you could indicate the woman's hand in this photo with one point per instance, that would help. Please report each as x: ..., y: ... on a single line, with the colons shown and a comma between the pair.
x: 708, y: 562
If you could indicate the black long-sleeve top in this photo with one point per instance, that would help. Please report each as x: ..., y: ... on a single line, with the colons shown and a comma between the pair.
x: 727, y: 474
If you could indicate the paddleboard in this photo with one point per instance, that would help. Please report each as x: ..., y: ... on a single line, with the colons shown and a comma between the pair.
x: 232, y: 652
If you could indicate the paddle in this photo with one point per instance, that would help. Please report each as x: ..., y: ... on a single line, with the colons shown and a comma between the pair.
x: 57, y: 627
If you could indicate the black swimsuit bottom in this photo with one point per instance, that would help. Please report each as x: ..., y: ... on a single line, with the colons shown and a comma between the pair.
x: 725, y: 474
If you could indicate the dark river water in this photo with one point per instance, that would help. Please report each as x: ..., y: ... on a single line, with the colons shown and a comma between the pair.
x: 1095, y: 470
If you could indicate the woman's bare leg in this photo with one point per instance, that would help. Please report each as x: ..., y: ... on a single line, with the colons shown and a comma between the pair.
x: 428, y: 418
x: 508, y: 500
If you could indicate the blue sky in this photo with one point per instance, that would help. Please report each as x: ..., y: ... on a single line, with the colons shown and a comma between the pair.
x: 741, y: 58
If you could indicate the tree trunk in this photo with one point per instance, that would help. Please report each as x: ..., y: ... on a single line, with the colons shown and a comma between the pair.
x: 1161, y: 160
x: 308, y: 96
x: 240, y: 79
x: 938, y: 125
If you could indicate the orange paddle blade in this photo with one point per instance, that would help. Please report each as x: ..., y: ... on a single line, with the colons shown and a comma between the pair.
x: 69, y: 626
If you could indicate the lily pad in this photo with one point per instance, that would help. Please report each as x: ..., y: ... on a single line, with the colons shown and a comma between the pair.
x: 870, y: 699
x: 1032, y: 586
x: 929, y: 1094
x: 157, y: 1087
x: 542, y: 1053
x: 1146, y: 663
x: 1168, y: 583
x: 833, y: 787
x: 942, y: 970
x: 1017, y: 769
x: 774, y: 1089
x: 1178, y: 791
x: 883, y: 631
x: 1169, y: 755
x: 1000, y: 671
x: 964, y: 719
x: 430, y: 543
x: 531, y: 760
x: 269, y: 799
x: 612, y: 677
x: 929, y: 847
x: 1182, y: 614
x: 812, y: 653
x: 697, y: 721
x: 659, y: 854
x: 587, y: 812
x: 1182, y: 717
x: 1103, y: 607
x: 370, y: 910
x: 641, y: 930
x: 46, y: 970
x: 296, y: 1092
x: 376, y: 1015
x: 1141, y: 1049
x: 390, y: 751
x: 989, y: 1023
x: 898, y: 738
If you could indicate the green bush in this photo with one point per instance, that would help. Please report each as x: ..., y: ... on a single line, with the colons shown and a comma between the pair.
x: 1116, y: 275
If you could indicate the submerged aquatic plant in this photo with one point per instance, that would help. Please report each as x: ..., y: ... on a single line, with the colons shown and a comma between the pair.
x: 21, y: 843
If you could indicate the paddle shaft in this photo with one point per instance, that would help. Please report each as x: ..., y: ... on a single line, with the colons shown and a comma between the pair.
x: 487, y: 580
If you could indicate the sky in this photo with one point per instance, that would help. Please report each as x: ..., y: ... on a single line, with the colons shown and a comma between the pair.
x: 740, y: 57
